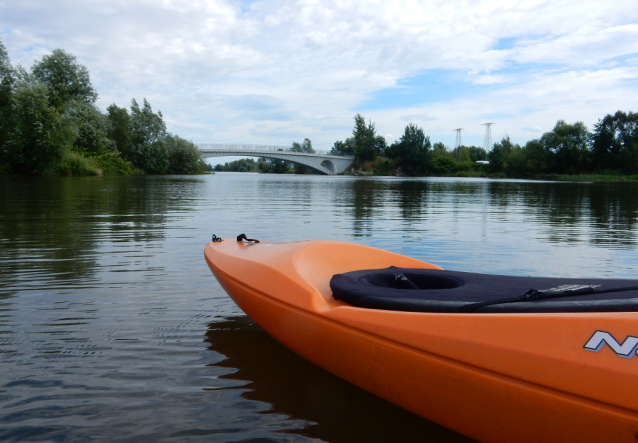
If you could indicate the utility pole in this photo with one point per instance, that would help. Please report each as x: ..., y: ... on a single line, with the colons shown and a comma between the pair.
x: 487, y: 141
x: 457, y: 144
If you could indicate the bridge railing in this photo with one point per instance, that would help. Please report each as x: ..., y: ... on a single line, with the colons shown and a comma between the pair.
x: 240, y: 147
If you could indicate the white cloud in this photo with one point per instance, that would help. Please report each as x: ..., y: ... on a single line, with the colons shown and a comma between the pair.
x: 273, y: 71
x: 488, y: 79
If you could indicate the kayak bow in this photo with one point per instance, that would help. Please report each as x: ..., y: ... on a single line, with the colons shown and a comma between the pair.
x: 496, y: 375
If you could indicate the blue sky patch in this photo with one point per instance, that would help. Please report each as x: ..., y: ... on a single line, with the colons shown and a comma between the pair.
x: 505, y: 43
x: 430, y: 87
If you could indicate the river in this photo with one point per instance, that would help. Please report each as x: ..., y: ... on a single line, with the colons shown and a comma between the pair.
x: 112, y: 326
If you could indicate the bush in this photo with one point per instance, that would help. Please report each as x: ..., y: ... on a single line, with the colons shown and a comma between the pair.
x: 74, y: 164
x: 442, y: 166
x: 112, y: 164
x: 384, y: 167
x: 466, y: 166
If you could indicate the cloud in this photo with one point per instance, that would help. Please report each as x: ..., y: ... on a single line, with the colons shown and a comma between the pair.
x: 488, y: 79
x: 270, y: 70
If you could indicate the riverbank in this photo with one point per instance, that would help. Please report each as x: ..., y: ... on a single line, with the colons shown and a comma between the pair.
x: 383, y: 167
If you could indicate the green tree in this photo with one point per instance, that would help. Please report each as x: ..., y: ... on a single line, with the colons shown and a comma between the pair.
x: 412, y: 151
x: 615, y: 143
x: 241, y: 165
x: 7, y: 80
x: 149, y: 150
x: 566, y: 147
x: 536, y: 157
x: 440, y: 150
x: 461, y: 154
x: 508, y: 158
x: 367, y: 145
x: 184, y: 157
x: 476, y: 153
x: 40, y: 135
x: 6, y: 70
x: 498, y: 155
x: 343, y: 148
x: 92, y: 128
x: 65, y: 78
x: 304, y: 146
x: 119, y: 128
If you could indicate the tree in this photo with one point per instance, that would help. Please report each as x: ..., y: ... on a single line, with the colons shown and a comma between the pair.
x: 412, y: 151
x: 92, y: 127
x: 65, y: 79
x: 305, y: 146
x: 461, y: 154
x: 508, y: 158
x: 7, y: 80
x: 148, y: 133
x: 476, y: 153
x: 536, y: 157
x: 241, y: 165
x: 119, y: 128
x: 40, y: 135
x: 615, y: 142
x: 498, y: 155
x: 6, y: 71
x: 440, y: 150
x: 184, y: 157
x: 367, y: 145
x: 343, y: 148
x: 566, y: 147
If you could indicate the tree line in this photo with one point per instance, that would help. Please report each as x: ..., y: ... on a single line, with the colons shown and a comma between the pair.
x: 611, y: 148
x: 50, y: 125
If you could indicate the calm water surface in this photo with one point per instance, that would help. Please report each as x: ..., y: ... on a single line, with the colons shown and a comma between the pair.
x: 112, y: 327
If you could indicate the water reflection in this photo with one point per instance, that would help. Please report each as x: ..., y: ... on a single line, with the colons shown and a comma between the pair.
x: 105, y: 297
x: 603, y: 214
x: 335, y: 410
x: 52, y: 228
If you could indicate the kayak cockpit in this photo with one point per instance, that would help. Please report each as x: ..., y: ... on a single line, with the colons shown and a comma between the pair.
x: 437, y: 290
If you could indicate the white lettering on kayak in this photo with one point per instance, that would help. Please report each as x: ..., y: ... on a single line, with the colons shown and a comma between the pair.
x: 626, y: 349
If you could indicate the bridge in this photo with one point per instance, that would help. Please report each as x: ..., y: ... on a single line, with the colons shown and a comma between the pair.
x: 320, y: 162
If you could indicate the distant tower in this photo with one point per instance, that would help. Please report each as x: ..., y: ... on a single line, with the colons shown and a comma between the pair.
x: 458, y: 138
x: 487, y: 141
x: 457, y: 144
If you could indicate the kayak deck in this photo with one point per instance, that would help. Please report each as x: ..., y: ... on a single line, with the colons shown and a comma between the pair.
x: 432, y: 290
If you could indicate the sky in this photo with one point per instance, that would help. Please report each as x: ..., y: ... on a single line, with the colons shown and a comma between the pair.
x: 273, y: 72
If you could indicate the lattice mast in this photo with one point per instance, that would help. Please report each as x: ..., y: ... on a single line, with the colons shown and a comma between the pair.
x: 487, y: 141
x: 458, y: 138
x: 457, y: 144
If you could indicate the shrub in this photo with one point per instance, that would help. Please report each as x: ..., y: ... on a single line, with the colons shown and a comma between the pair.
x: 74, y: 164
x: 112, y: 164
x: 384, y: 167
x: 442, y: 166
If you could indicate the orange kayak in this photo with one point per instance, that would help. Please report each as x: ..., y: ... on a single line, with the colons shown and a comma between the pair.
x: 505, y: 370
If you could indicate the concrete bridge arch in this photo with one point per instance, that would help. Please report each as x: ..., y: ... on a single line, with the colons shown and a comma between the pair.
x: 321, y: 163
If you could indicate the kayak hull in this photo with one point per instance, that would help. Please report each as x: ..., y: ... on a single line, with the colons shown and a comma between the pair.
x: 448, y: 368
